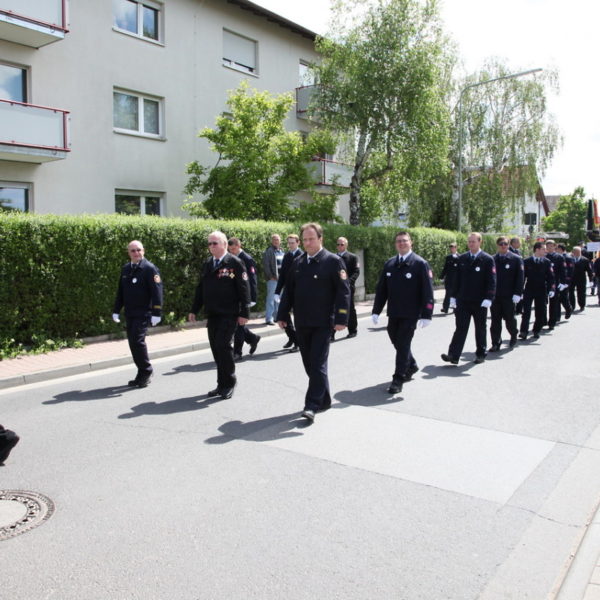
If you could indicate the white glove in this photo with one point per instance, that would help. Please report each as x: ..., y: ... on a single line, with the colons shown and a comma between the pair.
x: 516, y: 299
x: 486, y: 303
x: 251, y: 304
x: 277, y: 297
x: 550, y: 294
x: 375, y: 319
x: 562, y: 286
x: 452, y: 303
x: 155, y: 321
x: 423, y: 323
x: 116, y: 318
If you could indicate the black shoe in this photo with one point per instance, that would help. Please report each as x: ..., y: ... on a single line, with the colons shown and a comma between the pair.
x: 237, y: 356
x: 309, y: 414
x: 351, y: 335
x: 253, y: 345
x: 494, y: 348
x: 395, y: 387
x: 536, y: 335
x: 227, y: 393
x: 444, y: 310
x: 410, y: 372
x: 269, y: 322
x: 332, y: 337
x: 143, y: 382
x: 215, y: 392
x: 294, y: 349
x: 513, y: 341
x: 523, y: 335
x: 479, y: 359
x: 568, y: 314
x: 288, y: 344
x: 550, y: 327
x: 446, y: 358
x: 133, y: 382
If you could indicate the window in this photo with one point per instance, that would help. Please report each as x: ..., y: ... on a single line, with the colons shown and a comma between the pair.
x: 13, y: 83
x: 138, y: 203
x: 14, y: 197
x: 138, y: 18
x: 529, y: 219
x: 239, y: 52
x: 135, y: 113
x: 306, y: 75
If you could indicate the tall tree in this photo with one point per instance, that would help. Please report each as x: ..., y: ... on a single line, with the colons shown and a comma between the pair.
x: 380, y: 77
x: 569, y: 216
x: 260, y: 165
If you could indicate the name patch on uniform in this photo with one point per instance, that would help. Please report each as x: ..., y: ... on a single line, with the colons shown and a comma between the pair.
x: 342, y: 311
x: 343, y: 274
x: 225, y: 273
x: 157, y: 278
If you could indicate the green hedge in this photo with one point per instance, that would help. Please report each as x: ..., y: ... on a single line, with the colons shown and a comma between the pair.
x: 59, y: 273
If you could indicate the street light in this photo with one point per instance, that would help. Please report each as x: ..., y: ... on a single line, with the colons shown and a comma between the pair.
x: 460, y: 131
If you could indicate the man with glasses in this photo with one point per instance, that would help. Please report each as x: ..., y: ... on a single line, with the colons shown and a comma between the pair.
x: 317, y: 292
x: 472, y: 294
x: 509, y: 287
x: 224, y: 293
x: 405, y: 284
x: 140, y: 294
x: 353, y: 270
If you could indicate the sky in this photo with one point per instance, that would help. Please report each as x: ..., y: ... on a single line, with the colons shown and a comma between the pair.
x: 527, y: 34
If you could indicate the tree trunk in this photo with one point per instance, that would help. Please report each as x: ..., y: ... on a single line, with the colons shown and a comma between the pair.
x: 354, y: 200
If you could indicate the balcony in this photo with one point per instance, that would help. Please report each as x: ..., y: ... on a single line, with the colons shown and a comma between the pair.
x: 33, y: 23
x: 304, y: 95
x: 33, y: 134
x: 327, y: 172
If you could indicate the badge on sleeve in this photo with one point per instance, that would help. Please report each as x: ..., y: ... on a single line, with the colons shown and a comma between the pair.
x: 156, y: 278
x: 245, y: 276
x: 343, y: 274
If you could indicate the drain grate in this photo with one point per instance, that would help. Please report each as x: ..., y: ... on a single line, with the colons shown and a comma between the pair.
x: 21, y: 511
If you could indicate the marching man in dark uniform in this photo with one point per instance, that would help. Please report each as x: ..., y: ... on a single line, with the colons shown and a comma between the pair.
x: 448, y: 274
x: 565, y: 299
x: 509, y: 287
x: 224, y: 293
x: 473, y: 292
x: 560, y: 282
x: 539, y: 286
x: 294, y: 251
x: 140, y: 293
x: 242, y: 333
x: 317, y: 291
x: 353, y: 270
x: 581, y: 268
x: 405, y: 284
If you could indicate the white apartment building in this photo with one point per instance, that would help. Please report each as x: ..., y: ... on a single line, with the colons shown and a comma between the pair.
x: 101, y: 100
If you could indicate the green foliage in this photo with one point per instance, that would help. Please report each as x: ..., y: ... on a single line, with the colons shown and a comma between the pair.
x: 260, y: 166
x: 382, y: 77
x: 569, y: 216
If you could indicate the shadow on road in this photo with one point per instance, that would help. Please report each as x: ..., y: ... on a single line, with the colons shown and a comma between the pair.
x: 261, y: 430
x: 207, y: 366
x: 98, y: 394
x: 375, y: 395
x: 170, y: 406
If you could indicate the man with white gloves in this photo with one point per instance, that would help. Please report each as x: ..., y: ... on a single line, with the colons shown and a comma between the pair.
x: 473, y: 293
x: 406, y: 285
x: 140, y: 294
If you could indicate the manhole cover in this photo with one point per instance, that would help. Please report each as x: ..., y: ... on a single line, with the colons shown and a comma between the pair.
x: 21, y: 511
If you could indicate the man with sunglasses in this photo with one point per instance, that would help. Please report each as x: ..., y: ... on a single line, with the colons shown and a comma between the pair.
x: 224, y: 293
x: 509, y: 288
x: 140, y: 294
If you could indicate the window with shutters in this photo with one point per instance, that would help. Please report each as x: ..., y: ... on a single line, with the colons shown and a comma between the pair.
x: 239, y: 52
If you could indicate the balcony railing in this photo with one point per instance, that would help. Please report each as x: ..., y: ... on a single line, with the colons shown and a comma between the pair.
x: 304, y: 95
x: 30, y: 133
x: 328, y: 172
x: 33, y: 23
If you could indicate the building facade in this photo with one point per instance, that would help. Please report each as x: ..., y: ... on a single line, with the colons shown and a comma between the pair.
x: 101, y: 100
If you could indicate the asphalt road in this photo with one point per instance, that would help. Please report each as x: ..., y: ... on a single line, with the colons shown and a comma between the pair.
x: 476, y: 482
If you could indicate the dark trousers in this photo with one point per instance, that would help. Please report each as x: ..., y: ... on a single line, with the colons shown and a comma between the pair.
x: 290, y: 331
x: 502, y: 309
x: 540, y: 313
x: 221, y: 330
x: 580, y: 288
x: 352, y: 320
x: 565, y: 301
x: 401, y: 332
x: 8, y: 440
x: 446, y: 301
x: 463, y: 313
x: 554, y: 309
x: 314, y: 349
x: 242, y: 334
x: 136, y: 336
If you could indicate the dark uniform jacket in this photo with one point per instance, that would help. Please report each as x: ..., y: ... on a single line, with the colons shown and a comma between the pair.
x: 224, y: 291
x: 558, y: 265
x: 596, y: 268
x: 539, y: 276
x: 514, y: 250
x: 352, y: 267
x: 509, y: 275
x: 406, y: 287
x: 251, y: 271
x: 582, y: 267
x: 318, y: 292
x: 450, y: 270
x: 570, y: 268
x: 286, y: 263
x: 476, y: 279
x: 140, y: 290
